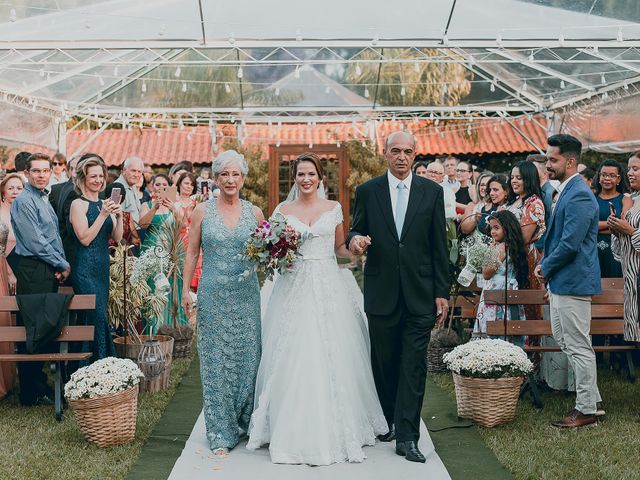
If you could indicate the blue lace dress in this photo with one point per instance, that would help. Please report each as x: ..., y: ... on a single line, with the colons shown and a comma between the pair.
x: 90, y: 275
x: 228, y: 327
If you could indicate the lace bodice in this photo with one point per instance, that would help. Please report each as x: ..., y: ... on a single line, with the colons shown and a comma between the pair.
x: 321, y: 244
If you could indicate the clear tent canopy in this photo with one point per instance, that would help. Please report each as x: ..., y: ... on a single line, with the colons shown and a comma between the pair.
x: 170, y: 62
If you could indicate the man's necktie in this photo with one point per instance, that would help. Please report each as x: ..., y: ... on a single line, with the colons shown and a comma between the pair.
x: 401, y: 207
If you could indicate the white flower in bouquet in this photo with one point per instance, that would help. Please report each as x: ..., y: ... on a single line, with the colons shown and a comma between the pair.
x: 488, y: 358
x: 479, y: 252
x: 103, y: 377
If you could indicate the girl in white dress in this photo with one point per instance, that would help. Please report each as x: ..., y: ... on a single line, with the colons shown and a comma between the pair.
x: 315, y: 399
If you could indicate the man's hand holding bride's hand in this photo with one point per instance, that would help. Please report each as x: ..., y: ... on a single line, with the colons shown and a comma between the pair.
x: 187, y: 303
x: 359, y: 244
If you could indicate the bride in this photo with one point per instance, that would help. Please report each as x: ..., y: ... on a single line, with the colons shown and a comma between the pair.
x: 316, y: 401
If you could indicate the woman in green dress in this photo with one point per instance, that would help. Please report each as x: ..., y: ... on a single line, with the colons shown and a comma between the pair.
x: 157, y: 217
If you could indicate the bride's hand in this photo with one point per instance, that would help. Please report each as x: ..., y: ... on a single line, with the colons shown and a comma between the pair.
x: 359, y: 244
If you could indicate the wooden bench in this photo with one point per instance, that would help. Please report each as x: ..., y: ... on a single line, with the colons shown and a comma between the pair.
x: 607, y: 318
x: 56, y: 360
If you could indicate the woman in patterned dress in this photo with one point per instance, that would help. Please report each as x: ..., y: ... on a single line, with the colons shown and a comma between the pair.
x: 10, y: 188
x: 625, y: 244
x: 228, y: 313
x: 525, y: 202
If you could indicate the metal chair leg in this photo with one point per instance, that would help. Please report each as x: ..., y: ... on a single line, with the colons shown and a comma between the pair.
x: 58, y: 390
x: 631, y: 366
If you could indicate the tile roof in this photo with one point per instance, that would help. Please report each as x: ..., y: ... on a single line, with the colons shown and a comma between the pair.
x: 166, y: 147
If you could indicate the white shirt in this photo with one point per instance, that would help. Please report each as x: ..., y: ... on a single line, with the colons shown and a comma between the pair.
x: 561, y: 187
x: 131, y: 199
x: 393, y: 189
x: 449, y: 202
x: 454, y: 185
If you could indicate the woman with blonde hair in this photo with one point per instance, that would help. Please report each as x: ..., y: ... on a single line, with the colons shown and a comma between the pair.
x: 10, y: 188
x: 94, y: 221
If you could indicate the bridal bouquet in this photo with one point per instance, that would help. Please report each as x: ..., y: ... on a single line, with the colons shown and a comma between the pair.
x: 479, y: 252
x: 273, y: 246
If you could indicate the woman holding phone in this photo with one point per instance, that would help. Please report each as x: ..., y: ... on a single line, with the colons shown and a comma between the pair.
x: 94, y: 221
x: 153, y: 216
x: 610, y: 185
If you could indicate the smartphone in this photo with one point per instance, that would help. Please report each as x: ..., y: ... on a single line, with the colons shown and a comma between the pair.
x: 170, y: 193
x: 115, y: 195
x: 612, y: 209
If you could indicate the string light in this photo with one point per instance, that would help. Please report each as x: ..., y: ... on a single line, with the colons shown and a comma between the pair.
x: 227, y: 88
x: 358, y: 71
x: 144, y: 87
x: 366, y: 92
x: 240, y: 72
x: 403, y: 91
x: 492, y: 87
x: 603, y: 80
x: 115, y: 71
x: 42, y: 72
x: 101, y: 81
x: 524, y: 86
x: 416, y: 67
x: 620, y: 37
x: 562, y: 84
x: 184, y: 86
x: 277, y: 92
x: 296, y: 74
x: 13, y: 15
x: 177, y: 72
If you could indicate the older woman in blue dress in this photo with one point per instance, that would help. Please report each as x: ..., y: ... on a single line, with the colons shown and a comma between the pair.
x: 228, y: 310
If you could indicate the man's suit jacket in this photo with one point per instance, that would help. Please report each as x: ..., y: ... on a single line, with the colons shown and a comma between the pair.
x: 61, y: 197
x: 416, y: 264
x: 570, y: 262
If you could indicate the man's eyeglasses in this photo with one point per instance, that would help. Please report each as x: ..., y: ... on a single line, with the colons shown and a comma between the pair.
x: 36, y: 171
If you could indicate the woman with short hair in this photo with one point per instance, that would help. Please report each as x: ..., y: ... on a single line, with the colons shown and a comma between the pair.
x: 228, y: 313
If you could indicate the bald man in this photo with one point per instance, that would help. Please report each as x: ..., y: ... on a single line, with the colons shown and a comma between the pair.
x: 399, y: 221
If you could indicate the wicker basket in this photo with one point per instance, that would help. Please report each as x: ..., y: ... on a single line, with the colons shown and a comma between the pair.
x: 182, y: 347
x: 434, y: 358
x: 108, y: 420
x: 487, y: 401
x: 161, y: 382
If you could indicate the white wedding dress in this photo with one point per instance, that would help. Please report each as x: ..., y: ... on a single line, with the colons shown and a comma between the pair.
x: 315, y: 399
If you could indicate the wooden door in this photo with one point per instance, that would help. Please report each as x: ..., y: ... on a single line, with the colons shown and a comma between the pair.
x: 334, y: 162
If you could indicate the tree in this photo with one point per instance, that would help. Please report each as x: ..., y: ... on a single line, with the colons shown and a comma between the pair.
x: 424, y: 83
x: 365, y: 163
x: 256, y: 186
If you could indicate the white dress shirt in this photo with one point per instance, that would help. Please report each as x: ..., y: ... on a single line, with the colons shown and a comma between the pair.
x: 449, y: 202
x: 393, y: 189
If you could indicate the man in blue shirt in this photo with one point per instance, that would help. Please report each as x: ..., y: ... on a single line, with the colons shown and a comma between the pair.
x: 39, y: 261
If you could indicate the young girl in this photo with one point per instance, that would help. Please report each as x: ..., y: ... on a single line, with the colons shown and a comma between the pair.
x: 506, y: 233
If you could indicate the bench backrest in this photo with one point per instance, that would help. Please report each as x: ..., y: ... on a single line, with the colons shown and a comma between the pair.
x: 543, y: 327
x: 78, y: 302
x: 69, y: 334
x: 536, y: 297
x: 612, y: 283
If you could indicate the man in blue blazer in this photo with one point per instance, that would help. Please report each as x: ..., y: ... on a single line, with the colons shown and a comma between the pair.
x: 571, y: 271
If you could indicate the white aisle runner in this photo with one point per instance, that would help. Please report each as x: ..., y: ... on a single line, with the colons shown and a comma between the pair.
x: 197, y: 462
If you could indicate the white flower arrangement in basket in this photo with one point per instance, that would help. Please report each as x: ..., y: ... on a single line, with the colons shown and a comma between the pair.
x: 488, y: 358
x: 103, y: 377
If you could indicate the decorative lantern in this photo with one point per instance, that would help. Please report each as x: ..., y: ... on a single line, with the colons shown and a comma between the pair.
x: 151, y: 359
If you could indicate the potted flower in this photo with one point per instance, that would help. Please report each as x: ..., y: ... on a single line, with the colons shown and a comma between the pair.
x: 127, y: 306
x: 488, y: 374
x: 104, y: 399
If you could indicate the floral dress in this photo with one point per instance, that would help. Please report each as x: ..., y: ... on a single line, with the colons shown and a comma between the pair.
x: 492, y: 313
x: 229, y: 330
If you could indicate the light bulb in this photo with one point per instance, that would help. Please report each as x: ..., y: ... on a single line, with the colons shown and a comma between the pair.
x: 403, y: 92
x: 561, y: 40
x: 366, y: 92
x: 115, y: 71
x: 144, y: 87
x: 603, y: 80
x: 416, y: 67
x: 296, y: 74
x: 240, y: 72
x: 620, y: 37
x: 562, y: 84
x: 42, y: 72
x: 492, y: 87
x: 358, y: 70
x: 227, y: 88
x: 184, y: 86
x: 524, y: 86
x: 277, y: 92
x: 101, y: 81
x: 13, y: 15
x: 177, y: 72
x: 531, y: 57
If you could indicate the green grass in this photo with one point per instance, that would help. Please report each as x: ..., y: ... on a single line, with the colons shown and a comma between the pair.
x: 532, y: 449
x: 35, y: 446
